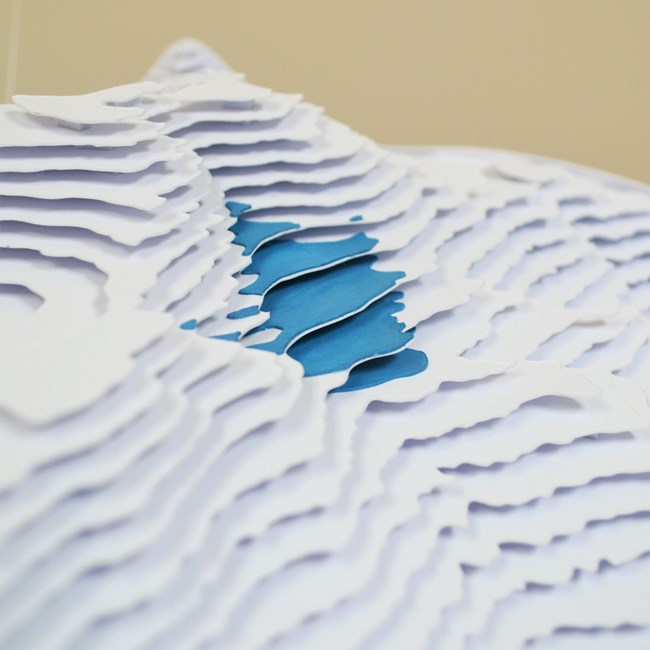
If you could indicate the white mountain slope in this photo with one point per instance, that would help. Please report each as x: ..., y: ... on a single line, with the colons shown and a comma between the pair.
x: 266, y: 384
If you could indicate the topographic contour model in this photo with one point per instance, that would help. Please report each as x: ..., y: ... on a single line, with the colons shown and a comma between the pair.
x: 266, y: 384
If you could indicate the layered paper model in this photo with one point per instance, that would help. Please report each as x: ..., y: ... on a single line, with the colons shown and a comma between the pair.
x: 266, y: 384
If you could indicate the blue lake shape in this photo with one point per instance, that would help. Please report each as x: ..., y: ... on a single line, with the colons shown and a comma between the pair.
x: 287, y: 258
x: 244, y: 313
x: 372, y: 332
x: 384, y: 369
x: 236, y: 209
x: 252, y: 234
x: 311, y: 301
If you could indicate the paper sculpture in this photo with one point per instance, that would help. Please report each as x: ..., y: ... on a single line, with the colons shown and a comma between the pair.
x: 266, y: 384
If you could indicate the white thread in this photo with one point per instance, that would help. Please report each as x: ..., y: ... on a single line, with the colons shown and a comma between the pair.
x: 12, y: 52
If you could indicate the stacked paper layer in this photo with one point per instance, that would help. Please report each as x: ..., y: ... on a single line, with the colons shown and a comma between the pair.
x: 267, y: 384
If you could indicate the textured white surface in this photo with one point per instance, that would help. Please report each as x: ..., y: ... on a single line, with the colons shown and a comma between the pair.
x: 161, y: 489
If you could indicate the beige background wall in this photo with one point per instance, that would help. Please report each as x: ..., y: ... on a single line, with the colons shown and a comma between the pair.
x: 564, y: 78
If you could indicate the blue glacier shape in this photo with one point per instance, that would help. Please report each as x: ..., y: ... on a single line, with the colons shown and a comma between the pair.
x: 252, y: 234
x: 316, y: 299
x: 356, y: 217
x: 243, y: 313
x: 379, y: 371
x: 286, y: 258
x: 189, y: 324
x: 372, y: 332
x: 236, y: 208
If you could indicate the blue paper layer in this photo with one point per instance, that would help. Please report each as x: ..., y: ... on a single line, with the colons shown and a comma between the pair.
x: 252, y: 234
x: 286, y: 258
x: 189, y: 324
x: 231, y: 336
x: 243, y: 313
x: 379, y: 371
x: 372, y: 332
x: 236, y: 208
x: 311, y: 301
